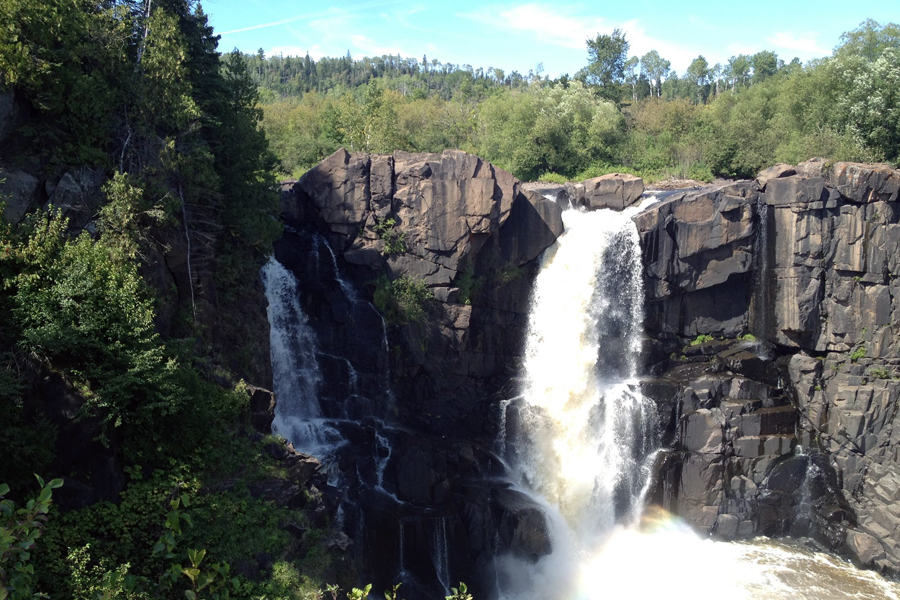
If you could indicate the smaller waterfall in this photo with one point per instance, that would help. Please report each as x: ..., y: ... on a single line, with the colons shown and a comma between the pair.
x: 295, y: 368
x: 441, y: 556
x: 762, y: 284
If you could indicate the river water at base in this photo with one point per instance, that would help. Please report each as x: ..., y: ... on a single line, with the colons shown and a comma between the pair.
x: 585, y: 439
x: 664, y: 558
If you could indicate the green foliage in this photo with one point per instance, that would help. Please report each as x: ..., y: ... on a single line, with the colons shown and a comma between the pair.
x: 879, y: 373
x: 607, y: 55
x: 702, y: 339
x: 468, y: 285
x: 20, y: 529
x: 393, y: 238
x: 402, y: 300
x: 86, y: 311
x: 857, y: 354
x: 460, y: 593
x: 749, y: 337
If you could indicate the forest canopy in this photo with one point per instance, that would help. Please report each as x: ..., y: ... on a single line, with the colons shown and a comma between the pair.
x: 619, y: 112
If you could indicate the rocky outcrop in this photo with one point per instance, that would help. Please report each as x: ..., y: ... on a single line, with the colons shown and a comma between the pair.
x: 419, y: 490
x: 793, y: 433
x: 615, y: 190
x: 19, y: 191
x: 453, y: 221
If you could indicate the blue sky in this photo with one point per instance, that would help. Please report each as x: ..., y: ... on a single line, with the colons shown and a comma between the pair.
x: 519, y: 35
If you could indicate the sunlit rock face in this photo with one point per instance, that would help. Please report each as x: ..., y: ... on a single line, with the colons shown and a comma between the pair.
x: 791, y: 433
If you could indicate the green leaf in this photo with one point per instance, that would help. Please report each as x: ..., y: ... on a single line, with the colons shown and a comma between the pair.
x: 4, y: 489
x: 191, y: 574
x: 196, y: 556
x: 56, y: 483
x: 190, y: 594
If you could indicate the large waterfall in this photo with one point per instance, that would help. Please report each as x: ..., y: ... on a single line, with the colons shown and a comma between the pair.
x: 581, y: 439
x: 583, y: 433
x: 586, y: 430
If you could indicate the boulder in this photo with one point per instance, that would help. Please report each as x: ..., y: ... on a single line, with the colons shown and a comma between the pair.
x: 615, y: 190
x: 19, y: 190
x: 774, y: 172
x: 523, y: 527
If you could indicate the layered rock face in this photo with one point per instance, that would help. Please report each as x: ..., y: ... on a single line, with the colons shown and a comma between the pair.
x: 461, y: 226
x: 793, y: 433
x: 771, y: 346
x: 420, y: 395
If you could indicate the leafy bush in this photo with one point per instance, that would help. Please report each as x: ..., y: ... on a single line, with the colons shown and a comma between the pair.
x: 19, y: 531
x: 857, y: 354
x: 394, y: 239
x: 702, y: 339
x: 879, y: 373
x: 468, y: 285
x: 402, y: 300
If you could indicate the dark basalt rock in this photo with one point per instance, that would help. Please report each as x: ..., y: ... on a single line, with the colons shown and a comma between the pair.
x: 793, y: 434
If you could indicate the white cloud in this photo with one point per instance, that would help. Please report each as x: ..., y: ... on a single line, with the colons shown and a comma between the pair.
x: 804, y: 43
x: 563, y: 27
x: 551, y: 24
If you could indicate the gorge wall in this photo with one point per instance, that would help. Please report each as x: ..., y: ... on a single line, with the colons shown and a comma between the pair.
x: 771, y: 349
x: 792, y: 433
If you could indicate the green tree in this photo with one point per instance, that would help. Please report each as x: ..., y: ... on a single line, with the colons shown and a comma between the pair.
x: 607, y: 55
x: 633, y: 75
x: 698, y: 76
x: 764, y: 64
x: 655, y: 68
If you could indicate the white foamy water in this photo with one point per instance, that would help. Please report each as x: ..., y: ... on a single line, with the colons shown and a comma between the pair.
x: 585, y: 429
x: 665, y: 559
x: 584, y: 438
x: 295, y: 369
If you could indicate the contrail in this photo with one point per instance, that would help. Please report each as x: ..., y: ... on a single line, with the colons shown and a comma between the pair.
x: 309, y: 16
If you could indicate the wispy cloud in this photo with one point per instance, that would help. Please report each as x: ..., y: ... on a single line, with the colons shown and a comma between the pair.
x: 316, y: 15
x: 554, y: 25
x: 565, y: 27
x: 804, y: 43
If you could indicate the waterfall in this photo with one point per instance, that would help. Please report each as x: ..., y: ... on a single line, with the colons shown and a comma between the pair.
x: 441, y: 555
x: 295, y: 369
x: 584, y: 433
x: 586, y: 429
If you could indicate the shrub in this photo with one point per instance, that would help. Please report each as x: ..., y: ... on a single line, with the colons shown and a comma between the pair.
x: 702, y: 339
x: 859, y: 353
x: 879, y: 373
x: 402, y: 300
x: 394, y: 239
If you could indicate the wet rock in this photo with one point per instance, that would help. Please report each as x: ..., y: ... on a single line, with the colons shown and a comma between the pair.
x: 522, y: 525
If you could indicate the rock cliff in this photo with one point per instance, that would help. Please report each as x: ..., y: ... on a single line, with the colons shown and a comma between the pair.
x: 791, y: 430
x: 421, y: 385
x: 771, y: 347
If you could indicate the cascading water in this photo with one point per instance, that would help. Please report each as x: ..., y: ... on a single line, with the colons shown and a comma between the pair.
x: 295, y: 369
x: 584, y: 431
x: 587, y: 429
x: 584, y: 443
